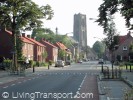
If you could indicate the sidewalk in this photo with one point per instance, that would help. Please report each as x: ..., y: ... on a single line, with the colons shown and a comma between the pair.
x: 6, y: 77
x: 111, y: 89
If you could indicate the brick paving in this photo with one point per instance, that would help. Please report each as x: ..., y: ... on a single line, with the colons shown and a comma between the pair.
x: 90, y: 86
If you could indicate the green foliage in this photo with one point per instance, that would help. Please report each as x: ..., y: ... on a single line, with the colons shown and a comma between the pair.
x: 17, y: 15
x: 7, y: 63
x: 50, y: 62
x: 131, y: 51
x: 31, y: 62
x: 61, y: 54
x: 41, y: 31
x: 19, y: 45
x: 49, y: 35
x: 99, y: 48
x: 25, y: 13
x: 110, y: 7
x: 112, y: 37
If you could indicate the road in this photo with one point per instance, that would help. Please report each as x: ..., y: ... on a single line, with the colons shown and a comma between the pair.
x: 75, y: 82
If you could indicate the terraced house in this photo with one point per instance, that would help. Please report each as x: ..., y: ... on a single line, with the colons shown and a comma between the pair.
x: 31, y: 49
x: 51, y: 49
x: 39, y: 48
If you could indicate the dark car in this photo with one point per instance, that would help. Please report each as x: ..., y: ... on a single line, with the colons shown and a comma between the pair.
x: 68, y: 62
x: 100, y: 61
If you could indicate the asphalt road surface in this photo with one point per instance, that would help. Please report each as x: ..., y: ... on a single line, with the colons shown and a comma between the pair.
x: 75, y: 82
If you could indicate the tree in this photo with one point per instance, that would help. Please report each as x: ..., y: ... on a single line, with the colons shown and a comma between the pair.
x: 61, y: 54
x: 37, y: 31
x: 49, y: 35
x: 124, y: 7
x: 112, y: 39
x: 19, y: 15
x: 99, y: 48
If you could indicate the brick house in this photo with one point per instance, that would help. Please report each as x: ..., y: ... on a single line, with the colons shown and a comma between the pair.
x: 27, y: 49
x: 123, y: 49
x: 61, y: 46
x: 6, y: 46
x: 51, y: 49
x: 39, y: 48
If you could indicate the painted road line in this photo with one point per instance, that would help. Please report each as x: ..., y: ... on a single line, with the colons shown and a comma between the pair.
x: 5, y: 87
x: 13, y: 84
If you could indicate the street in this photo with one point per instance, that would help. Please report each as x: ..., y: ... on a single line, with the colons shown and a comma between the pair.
x: 78, y: 81
x: 74, y: 82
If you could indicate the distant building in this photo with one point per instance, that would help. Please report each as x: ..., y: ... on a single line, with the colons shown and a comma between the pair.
x: 80, y: 30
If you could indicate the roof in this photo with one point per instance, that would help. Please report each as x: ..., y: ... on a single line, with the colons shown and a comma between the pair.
x: 63, y: 47
x: 49, y: 43
x: 122, y: 39
x: 22, y: 38
x: 26, y: 40
x: 34, y: 41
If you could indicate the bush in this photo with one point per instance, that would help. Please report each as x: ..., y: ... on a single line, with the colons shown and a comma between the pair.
x: 31, y: 62
x: 7, y: 63
x: 38, y: 63
x: 50, y: 62
x: 21, y: 62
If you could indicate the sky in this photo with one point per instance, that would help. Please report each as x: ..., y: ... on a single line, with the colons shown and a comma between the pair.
x: 64, y: 11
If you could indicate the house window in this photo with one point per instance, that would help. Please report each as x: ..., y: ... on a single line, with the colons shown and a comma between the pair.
x: 125, y: 48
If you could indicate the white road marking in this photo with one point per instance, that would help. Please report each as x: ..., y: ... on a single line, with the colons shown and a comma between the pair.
x: 13, y: 84
x: 5, y: 87
x: 19, y: 82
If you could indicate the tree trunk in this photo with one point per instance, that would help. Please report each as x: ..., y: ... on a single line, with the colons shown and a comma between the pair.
x: 14, y: 45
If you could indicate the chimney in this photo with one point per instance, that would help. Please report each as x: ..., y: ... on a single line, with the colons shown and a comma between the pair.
x: 34, y: 38
x: 28, y: 36
x: 43, y: 39
x: 23, y: 35
x: 129, y: 34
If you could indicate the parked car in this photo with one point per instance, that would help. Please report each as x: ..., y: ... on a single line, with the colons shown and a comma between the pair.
x: 100, y: 61
x: 59, y: 63
x: 68, y: 62
x: 80, y: 61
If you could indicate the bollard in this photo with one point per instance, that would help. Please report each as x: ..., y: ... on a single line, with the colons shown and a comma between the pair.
x: 126, y: 66
x: 33, y: 68
x: 48, y: 67
x: 130, y: 68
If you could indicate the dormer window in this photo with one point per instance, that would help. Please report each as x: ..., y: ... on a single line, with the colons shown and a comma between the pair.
x: 125, y: 48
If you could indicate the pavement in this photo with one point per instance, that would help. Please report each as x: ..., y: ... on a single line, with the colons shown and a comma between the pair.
x: 116, y: 89
x: 108, y: 89
x: 6, y: 76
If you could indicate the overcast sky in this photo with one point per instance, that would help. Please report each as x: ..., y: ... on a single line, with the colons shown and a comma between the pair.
x: 64, y: 11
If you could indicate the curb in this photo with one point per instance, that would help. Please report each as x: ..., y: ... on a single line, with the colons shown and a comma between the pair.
x: 128, y: 82
x: 101, y: 91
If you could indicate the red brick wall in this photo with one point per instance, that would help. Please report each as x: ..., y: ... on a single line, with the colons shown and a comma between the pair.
x: 5, y: 44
